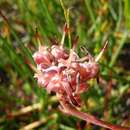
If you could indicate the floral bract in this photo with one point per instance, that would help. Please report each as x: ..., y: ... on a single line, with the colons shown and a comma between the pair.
x: 64, y: 72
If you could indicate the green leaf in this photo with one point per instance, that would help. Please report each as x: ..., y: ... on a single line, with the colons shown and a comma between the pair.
x: 127, y: 12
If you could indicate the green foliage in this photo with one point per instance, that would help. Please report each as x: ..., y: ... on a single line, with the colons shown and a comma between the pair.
x: 127, y: 12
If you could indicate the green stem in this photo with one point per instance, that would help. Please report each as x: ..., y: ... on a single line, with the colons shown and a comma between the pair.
x: 87, y: 3
x: 67, y: 14
x: 119, y: 47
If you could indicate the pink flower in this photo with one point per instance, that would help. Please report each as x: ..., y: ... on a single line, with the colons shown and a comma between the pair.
x: 64, y: 72
x: 43, y: 56
x: 58, y: 52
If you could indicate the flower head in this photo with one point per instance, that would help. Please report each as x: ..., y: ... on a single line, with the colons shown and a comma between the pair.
x: 64, y: 72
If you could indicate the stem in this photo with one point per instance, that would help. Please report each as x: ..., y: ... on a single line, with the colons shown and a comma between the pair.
x: 91, y: 13
x: 118, y: 49
x: 69, y: 109
x: 66, y: 14
x: 63, y: 36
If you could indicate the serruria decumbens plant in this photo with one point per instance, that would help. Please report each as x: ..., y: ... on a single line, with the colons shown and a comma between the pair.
x: 66, y: 74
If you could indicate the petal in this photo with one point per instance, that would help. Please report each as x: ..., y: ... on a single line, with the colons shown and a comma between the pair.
x: 58, y: 52
x: 38, y: 57
x: 53, y: 87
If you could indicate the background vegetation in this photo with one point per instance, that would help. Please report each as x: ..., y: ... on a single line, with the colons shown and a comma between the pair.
x: 25, y: 106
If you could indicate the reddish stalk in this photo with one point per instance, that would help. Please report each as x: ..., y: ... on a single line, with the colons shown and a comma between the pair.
x: 66, y: 75
x: 69, y: 109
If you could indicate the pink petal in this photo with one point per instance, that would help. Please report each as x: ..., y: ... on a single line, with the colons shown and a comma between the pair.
x: 58, y: 52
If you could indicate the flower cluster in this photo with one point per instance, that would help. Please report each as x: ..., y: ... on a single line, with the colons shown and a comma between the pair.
x: 64, y: 72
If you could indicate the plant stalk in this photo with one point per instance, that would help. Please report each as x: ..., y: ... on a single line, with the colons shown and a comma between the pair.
x: 69, y: 109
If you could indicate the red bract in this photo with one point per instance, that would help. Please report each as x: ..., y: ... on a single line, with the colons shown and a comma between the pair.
x: 58, y: 52
x: 43, y: 57
x: 64, y: 73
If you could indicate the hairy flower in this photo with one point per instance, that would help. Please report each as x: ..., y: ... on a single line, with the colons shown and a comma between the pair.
x: 63, y: 72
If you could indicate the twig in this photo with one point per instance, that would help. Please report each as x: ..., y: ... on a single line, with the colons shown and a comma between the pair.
x: 27, y: 109
x: 69, y: 109
x: 107, y: 99
x: 4, y: 18
x: 22, y: 111
x: 36, y: 124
